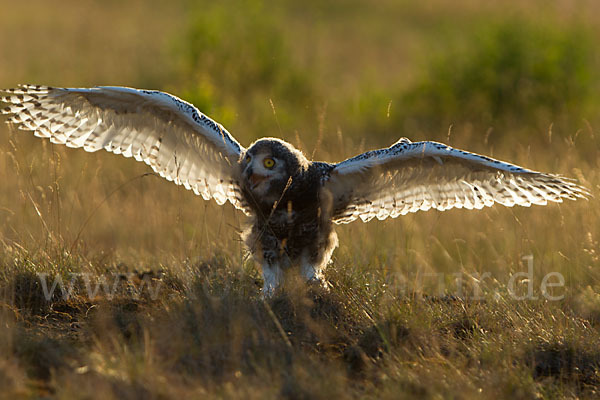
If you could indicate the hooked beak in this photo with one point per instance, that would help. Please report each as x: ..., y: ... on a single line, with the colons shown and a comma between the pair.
x: 256, y: 179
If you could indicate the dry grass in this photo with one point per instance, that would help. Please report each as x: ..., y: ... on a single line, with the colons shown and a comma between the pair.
x: 389, y: 328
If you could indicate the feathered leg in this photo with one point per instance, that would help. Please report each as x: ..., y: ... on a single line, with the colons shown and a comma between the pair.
x: 273, y: 277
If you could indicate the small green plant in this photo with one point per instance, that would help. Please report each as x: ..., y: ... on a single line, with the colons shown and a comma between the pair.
x: 512, y: 72
x: 236, y: 53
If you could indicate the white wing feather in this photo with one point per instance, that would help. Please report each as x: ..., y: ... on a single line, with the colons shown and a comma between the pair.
x: 408, y: 177
x: 170, y: 135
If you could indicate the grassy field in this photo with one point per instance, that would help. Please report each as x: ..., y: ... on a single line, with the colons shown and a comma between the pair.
x: 155, y: 296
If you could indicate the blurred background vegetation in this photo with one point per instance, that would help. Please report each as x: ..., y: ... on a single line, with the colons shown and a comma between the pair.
x: 518, y: 81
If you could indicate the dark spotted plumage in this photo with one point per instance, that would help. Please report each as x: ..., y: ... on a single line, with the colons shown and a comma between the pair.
x: 291, y: 227
x: 292, y: 202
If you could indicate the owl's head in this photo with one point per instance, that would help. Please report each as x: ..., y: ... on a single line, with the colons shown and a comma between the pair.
x: 267, y: 167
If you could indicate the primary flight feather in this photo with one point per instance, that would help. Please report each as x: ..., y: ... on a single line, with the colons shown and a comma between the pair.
x: 292, y: 202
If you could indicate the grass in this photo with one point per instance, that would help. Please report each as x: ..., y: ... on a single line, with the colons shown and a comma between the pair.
x: 163, y: 300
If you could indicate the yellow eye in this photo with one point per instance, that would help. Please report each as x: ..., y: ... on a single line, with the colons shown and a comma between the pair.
x: 247, y: 159
x: 269, y: 163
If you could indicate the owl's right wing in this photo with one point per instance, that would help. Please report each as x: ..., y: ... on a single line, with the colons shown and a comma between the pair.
x: 170, y: 135
x: 408, y: 177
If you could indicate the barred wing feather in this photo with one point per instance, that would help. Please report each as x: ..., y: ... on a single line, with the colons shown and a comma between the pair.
x: 408, y: 177
x: 170, y: 135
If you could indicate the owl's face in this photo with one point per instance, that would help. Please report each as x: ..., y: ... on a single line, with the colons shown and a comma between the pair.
x: 261, y: 170
x: 267, y: 167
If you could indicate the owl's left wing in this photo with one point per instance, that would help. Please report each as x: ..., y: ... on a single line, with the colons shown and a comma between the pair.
x: 172, y: 136
x: 408, y: 177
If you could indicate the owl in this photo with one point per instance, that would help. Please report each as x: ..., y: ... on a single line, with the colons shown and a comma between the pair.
x: 293, y: 203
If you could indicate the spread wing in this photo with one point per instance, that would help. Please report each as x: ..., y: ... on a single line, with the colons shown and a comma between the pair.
x: 408, y: 177
x: 170, y: 135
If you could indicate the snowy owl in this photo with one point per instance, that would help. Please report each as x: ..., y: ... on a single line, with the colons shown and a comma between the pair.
x: 292, y: 202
